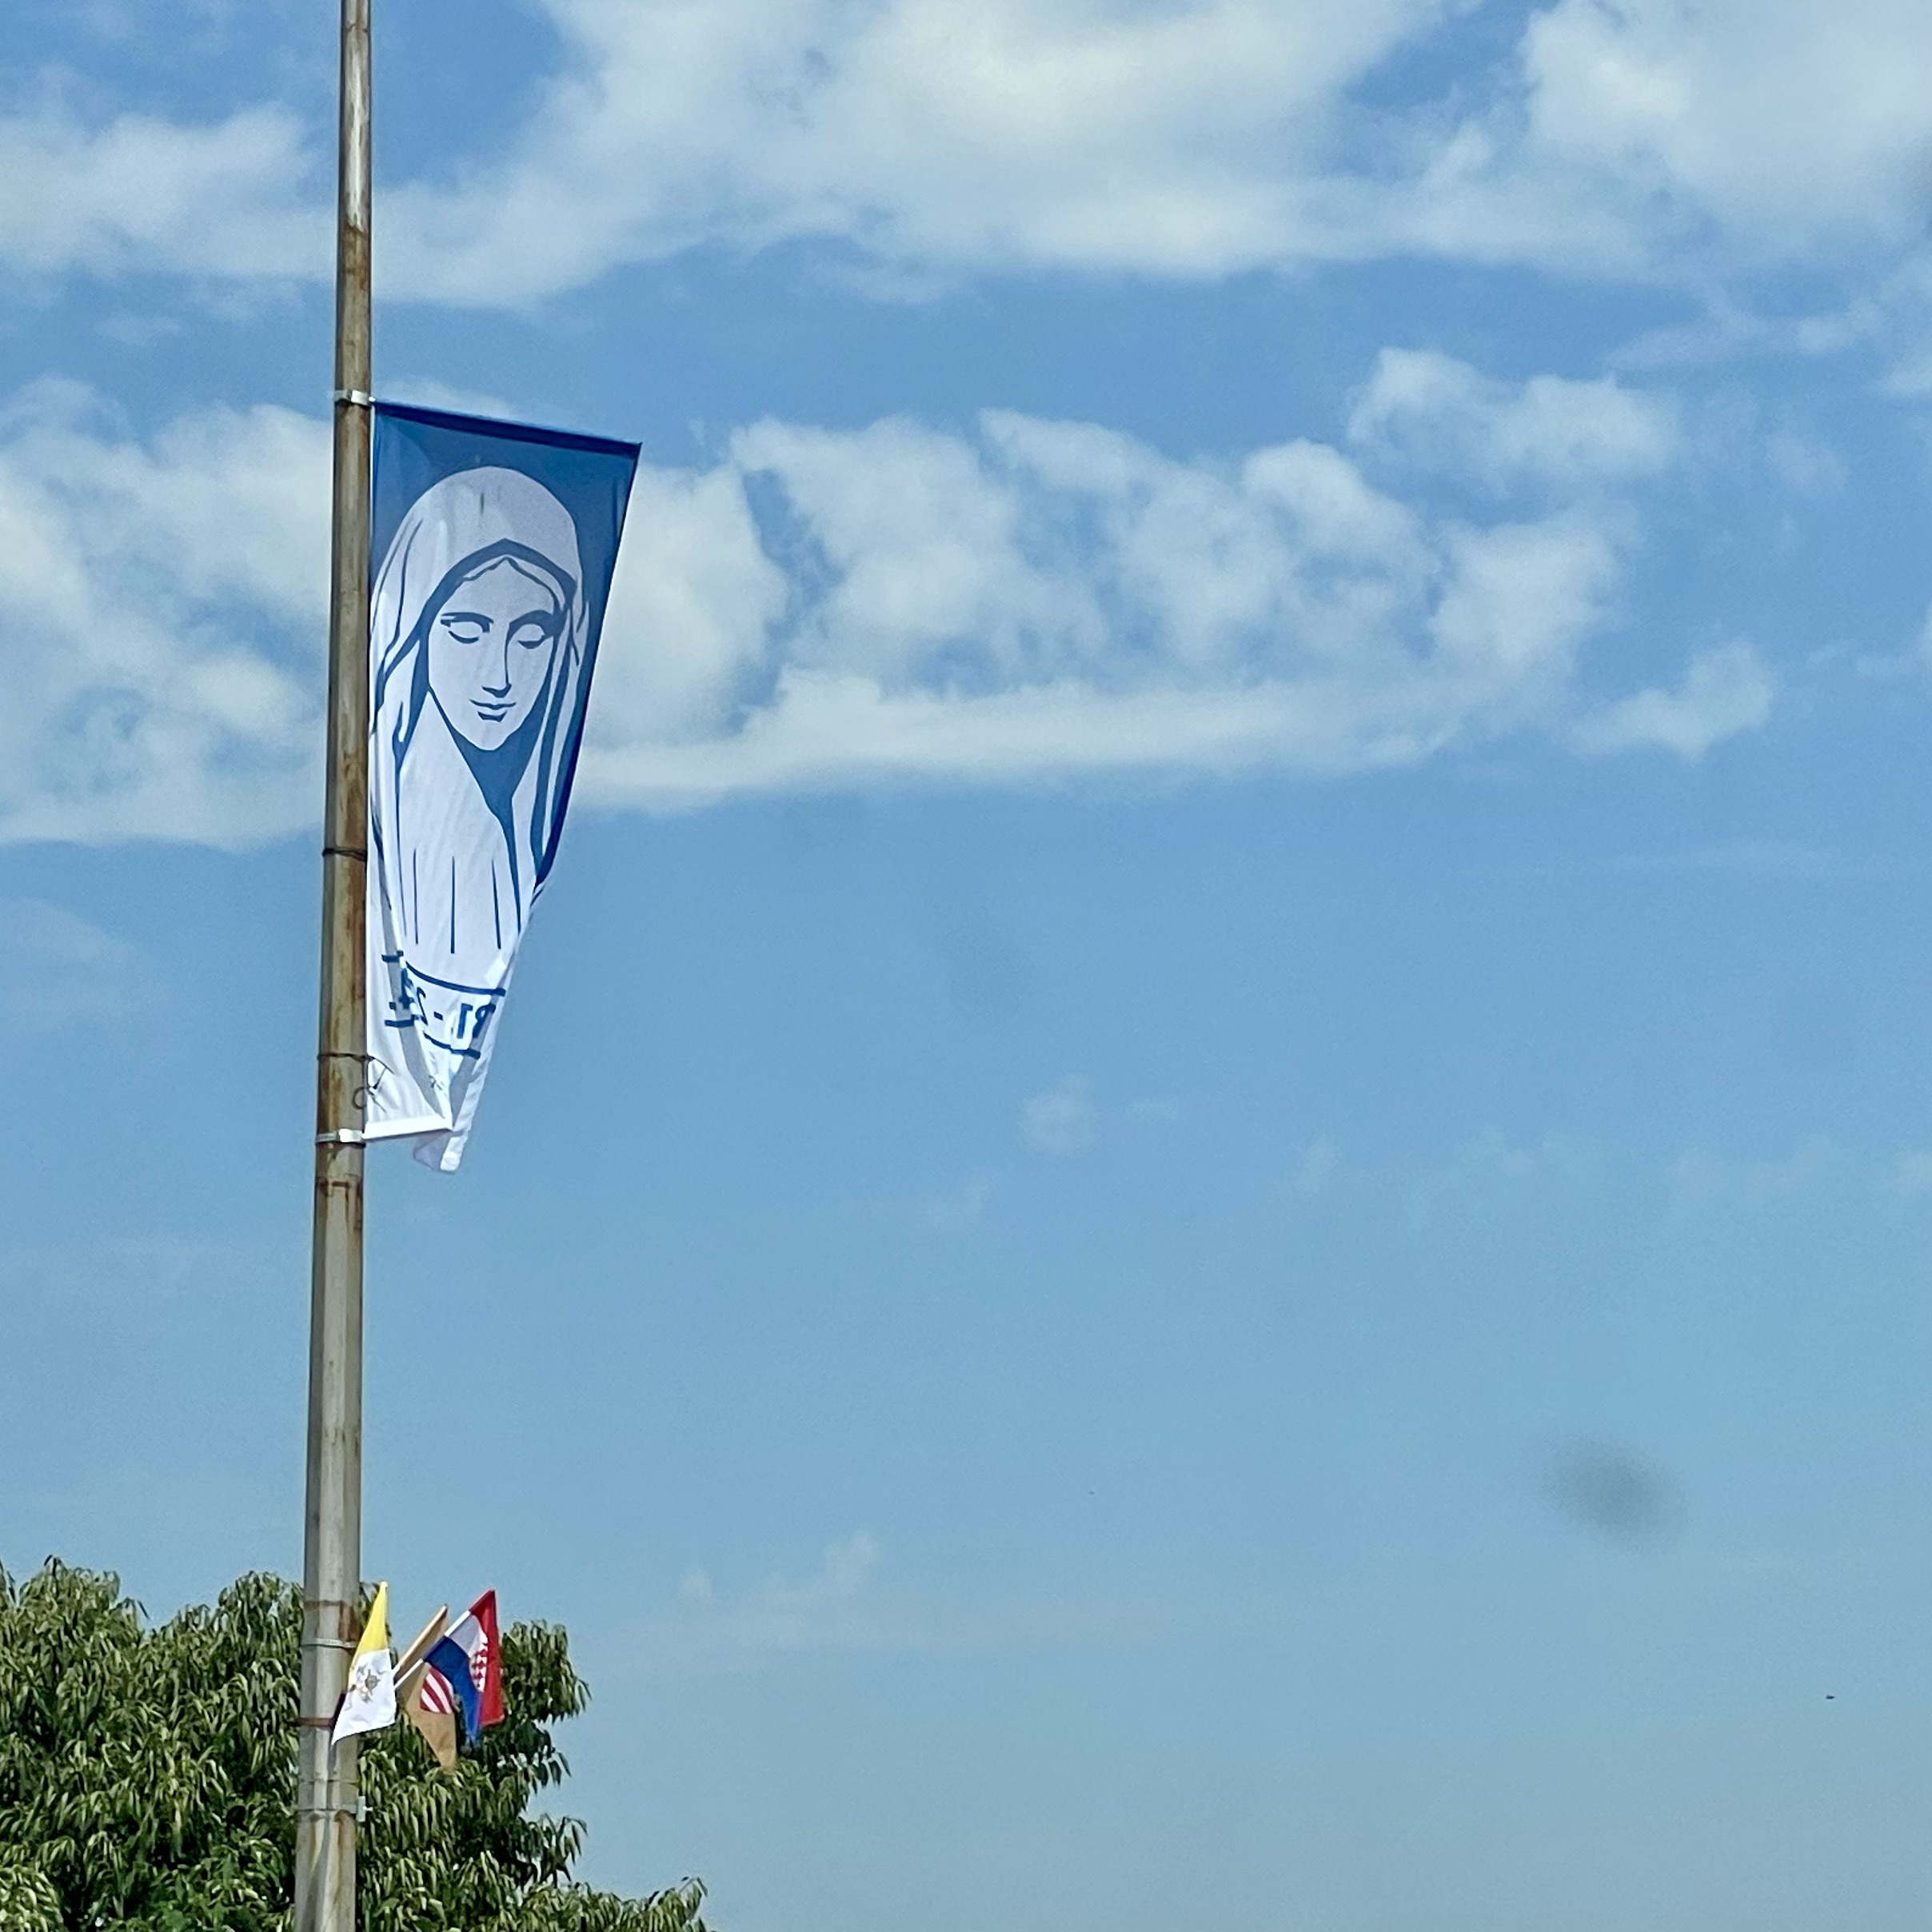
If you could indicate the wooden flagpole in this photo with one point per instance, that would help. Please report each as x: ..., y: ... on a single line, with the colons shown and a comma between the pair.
x: 327, y: 1803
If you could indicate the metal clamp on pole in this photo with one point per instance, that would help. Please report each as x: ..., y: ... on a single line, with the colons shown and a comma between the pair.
x: 342, y: 1136
x: 361, y: 399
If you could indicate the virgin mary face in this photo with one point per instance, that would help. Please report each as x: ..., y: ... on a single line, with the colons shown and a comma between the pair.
x: 491, y: 647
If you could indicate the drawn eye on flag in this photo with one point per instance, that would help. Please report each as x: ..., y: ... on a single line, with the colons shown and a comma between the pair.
x: 493, y: 546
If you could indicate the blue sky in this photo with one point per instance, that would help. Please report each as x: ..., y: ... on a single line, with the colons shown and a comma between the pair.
x: 1208, y: 1190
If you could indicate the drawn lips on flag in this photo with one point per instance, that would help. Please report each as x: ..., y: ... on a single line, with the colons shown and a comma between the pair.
x: 484, y: 622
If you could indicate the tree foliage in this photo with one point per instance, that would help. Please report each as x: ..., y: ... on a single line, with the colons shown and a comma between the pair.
x: 147, y: 1779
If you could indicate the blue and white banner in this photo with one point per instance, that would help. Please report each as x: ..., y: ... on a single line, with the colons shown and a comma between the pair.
x: 493, y: 546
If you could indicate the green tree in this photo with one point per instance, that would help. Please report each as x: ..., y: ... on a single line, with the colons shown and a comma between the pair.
x: 147, y: 1775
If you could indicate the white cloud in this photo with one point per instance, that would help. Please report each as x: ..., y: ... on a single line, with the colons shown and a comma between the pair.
x: 1318, y: 1170
x: 1198, y: 138
x: 1031, y: 602
x: 1490, y: 1172
x: 1774, y: 118
x: 234, y: 199
x: 1517, y: 601
x: 1433, y: 413
x: 823, y: 1611
x: 842, y: 1607
x: 58, y: 970
x: 139, y: 583
x: 1805, y: 465
x: 956, y: 134
x: 1043, y: 600
x: 1061, y: 1118
x: 955, y: 1212
x: 692, y: 607
x: 1725, y: 691
x: 1912, y: 1172
x: 1699, y: 1179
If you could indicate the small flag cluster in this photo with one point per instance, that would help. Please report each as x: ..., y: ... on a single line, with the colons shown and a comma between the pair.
x: 448, y: 1682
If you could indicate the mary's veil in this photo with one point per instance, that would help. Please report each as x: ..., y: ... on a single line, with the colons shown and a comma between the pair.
x: 452, y: 529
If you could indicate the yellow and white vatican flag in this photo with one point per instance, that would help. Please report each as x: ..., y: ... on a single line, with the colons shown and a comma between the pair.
x: 369, y: 1702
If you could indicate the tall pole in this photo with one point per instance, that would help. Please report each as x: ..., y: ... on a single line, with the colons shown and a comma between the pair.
x: 326, y: 1800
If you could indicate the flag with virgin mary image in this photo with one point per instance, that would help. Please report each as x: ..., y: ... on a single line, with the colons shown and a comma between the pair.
x: 492, y: 546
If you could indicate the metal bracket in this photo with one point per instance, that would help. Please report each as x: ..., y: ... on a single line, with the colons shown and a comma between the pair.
x: 361, y: 399
x: 341, y: 1136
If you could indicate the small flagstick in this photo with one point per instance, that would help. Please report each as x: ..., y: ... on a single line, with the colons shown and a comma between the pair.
x: 425, y: 1641
x: 326, y: 1800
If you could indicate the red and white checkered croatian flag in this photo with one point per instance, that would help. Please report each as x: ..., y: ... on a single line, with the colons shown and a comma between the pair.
x: 467, y: 1658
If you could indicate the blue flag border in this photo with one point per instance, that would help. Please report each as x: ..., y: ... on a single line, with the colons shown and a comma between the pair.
x: 511, y: 432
